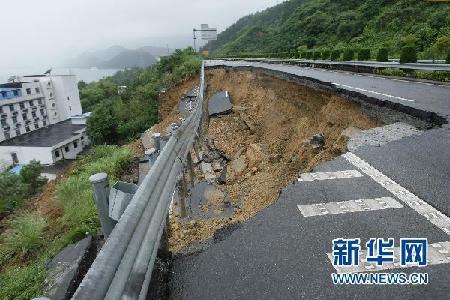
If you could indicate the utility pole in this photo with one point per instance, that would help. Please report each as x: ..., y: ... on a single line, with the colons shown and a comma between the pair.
x: 195, y: 38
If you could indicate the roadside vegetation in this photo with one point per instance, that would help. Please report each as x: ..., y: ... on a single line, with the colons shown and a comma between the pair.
x: 16, y: 188
x: 443, y: 76
x: 120, y: 115
x: 63, y: 214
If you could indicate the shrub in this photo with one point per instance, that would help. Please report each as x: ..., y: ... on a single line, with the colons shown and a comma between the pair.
x: 12, y: 191
x: 326, y: 54
x: 26, y: 234
x: 348, y: 54
x: 383, y: 54
x: 79, y: 211
x: 316, y: 55
x: 31, y: 175
x: 335, y: 55
x: 447, y: 60
x: 364, y: 54
x: 309, y: 55
x: 408, y: 55
x: 391, y: 72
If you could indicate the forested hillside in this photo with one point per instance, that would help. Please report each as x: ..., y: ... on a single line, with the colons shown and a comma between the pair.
x: 319, y: 24
x: 120, y: 116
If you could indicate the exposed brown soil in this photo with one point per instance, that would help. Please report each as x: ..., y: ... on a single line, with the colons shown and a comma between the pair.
x: 265, y: 142
x: 168, y: 103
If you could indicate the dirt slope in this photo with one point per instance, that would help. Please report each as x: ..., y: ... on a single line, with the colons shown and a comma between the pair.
x: 265, y: 142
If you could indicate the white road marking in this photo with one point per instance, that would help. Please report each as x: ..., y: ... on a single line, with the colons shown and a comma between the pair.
x: 329, y: 175
x: 373, y: 92
x: 343, y: 207
x: 420, y: 206
x: 437, y: 254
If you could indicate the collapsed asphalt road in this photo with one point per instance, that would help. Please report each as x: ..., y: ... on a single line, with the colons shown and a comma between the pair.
x: 421, y: 95
x: 283, y: 252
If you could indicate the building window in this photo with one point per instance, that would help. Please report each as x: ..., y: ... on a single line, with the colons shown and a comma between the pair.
x: 44, y: 123
x: 38, y: 91
x: 22, y: 105
x: 70, y: 108
x: 1, y: 109
x: 51, y: 94
x: 16, y: 93
x: 53, y: 104
x: 42, y: 112
x: 82, y: 138
x: 11, y: 108
x: 57, y: 153
x: 67, y: 149
x: 7, y: 134
x: 48, y: 83
x: 14, y: 118
x: 36, y: 125
x: 27, y: 128
x: 56, y: 113
x: 17, y: 132
x: 39, y: 101
x: 75, y: 144
x: 33, y: 113
x: 24, y: 117
x: 3, y: 122
x: 68, y: 99
x: 30, y: 103
x: 28, y: 91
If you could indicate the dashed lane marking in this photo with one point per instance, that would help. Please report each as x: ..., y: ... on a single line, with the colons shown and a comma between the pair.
x: 335, y: 208
x: 330, y: 175
x: 438, y: 253
x: 420, y: 206
x: 373, y: 92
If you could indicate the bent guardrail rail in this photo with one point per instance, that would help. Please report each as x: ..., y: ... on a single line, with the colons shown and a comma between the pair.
x: 123, y: 267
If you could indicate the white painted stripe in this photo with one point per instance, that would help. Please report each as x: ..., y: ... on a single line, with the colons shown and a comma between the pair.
x: 420, y: 206
x: 330, y: 175
x: 438, y: 253
x: 373, y: 92
x: 343, y: 207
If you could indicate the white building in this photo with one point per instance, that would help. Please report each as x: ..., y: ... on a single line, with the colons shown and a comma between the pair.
x: 41, y: 118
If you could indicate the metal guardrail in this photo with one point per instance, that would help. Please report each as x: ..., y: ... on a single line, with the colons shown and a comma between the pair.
x: 123, y: 267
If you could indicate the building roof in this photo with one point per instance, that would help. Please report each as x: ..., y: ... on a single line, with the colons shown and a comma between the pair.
x: 11, y: 85
x: 45, y: 136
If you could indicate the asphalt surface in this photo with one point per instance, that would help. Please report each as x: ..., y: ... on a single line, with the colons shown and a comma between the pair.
x: 425, y: 66
x: 421, y: 95
x: 280, y: 254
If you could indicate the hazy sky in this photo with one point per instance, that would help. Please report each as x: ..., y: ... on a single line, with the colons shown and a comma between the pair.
x: 41, y: 33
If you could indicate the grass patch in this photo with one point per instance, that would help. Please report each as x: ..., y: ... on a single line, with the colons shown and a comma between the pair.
x: 30, y: 239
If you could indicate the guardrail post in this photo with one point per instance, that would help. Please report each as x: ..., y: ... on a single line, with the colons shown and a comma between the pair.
x: 182, y: 194
x: 190, y: 167
x: 100, y: 187
x: 157, y: 141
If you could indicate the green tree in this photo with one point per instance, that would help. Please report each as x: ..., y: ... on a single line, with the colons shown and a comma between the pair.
x: 30, y: 175
x: 442, y: 46
x: 12, y: 191
x: 102, y: 125
x: 364, y: 54
x: 383, y: 54
x: 408, y: 55
x: 348, y: 55
x: 335, y: 54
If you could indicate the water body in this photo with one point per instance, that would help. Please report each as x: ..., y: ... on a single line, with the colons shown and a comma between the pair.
x: 87, y: 75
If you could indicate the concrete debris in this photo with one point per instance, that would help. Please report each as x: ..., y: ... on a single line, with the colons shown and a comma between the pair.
x: 217, y: 166
x: 67, y: 268
x: 206, y: 168
x: 120, y: 196
x: 219, y: 103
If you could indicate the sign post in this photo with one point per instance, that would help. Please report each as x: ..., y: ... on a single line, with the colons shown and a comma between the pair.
x: 207, y: 34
